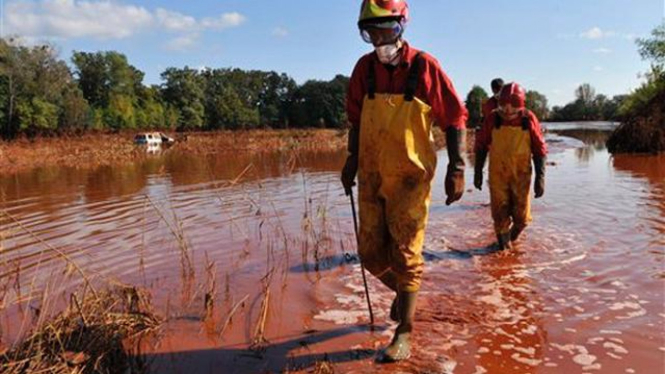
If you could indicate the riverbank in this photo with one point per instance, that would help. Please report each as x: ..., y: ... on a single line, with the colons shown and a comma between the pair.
x: 94, y: 150
x: 643, y: 131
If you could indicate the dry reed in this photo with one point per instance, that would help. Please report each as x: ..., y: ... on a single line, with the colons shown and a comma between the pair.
x: 229, y: 317
x: 87, y: 337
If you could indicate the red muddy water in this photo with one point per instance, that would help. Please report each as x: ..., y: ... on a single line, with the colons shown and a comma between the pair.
x: 271, y: 236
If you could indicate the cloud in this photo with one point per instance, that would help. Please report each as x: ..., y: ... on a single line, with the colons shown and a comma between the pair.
x: 225, y: 21
x: 106, y: 19
x: 71, y: 19
x: 602, y: 51
x: 596, y: 33
x: 598, y: 68
x: 280, y: 32
x: 175, y: 21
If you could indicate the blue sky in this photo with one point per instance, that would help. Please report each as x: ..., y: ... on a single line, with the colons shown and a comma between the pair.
x: 548, y: 45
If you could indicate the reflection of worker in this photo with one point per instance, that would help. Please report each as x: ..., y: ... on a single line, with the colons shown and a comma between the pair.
x: 512, y: 136
x: 395, y: 95
x: 493, y: 102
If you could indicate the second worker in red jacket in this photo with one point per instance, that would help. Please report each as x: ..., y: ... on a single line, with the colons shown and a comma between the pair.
x: 513, y: 138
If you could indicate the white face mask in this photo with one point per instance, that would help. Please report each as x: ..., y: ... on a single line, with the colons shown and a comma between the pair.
x: 389, y: 53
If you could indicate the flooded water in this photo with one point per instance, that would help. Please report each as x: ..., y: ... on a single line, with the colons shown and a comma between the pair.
x: 270, y: 236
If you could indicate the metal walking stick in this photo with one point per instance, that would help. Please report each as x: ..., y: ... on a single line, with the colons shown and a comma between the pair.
x: 362, y: 266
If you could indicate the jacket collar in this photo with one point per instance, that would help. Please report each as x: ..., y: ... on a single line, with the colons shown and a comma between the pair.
x: 408, y: 56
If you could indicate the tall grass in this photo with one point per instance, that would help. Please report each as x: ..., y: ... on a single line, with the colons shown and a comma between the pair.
x: 87, y: 337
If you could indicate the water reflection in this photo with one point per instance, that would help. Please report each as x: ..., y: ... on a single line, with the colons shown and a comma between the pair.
x: 594, y: 141
x: 514, y: 338
x: 652, y: 169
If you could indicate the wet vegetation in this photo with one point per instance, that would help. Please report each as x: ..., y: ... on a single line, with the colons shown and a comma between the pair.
x: 644, y: 128
x: 88, y: 337
x: 643, y: 112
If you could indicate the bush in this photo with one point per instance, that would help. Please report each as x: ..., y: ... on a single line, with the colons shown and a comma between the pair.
x: 643, y: 130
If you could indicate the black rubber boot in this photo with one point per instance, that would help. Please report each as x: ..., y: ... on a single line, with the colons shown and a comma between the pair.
x: 389, y: 279
x: 503, y: 241
x: 400, y: 347
x: 515, y: 232
x: 394, y: 308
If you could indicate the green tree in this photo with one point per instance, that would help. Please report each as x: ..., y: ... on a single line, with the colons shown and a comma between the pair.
x: 183, y: 90
x: 36, y: 115
x: 120, y: 113
x: 585, y: 94
x: 275, y: 98
x: 11, y: 71
x: 150, y: 111
x: 75, y: 112
x: 36, y: 88
x: 109, y: 83
x: 231, y: 98
x: 320, y: 104
x: 653, y: 49
x: 474, y: 104
x: 537, y: 103
x: 103, y: 74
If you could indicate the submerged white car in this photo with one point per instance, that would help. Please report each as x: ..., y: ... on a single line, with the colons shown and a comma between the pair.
x: 153, y: 138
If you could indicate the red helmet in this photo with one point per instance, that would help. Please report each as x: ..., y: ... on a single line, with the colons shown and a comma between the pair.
x: 382, y: 10
x: 513, y: 94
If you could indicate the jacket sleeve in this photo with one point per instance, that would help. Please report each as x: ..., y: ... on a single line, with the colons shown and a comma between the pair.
x: 485, y: 109
x: 447, y: 108
x: 484, y: 134
x: 538, y: 145
x: 356, y: 93
x: 488, y: 106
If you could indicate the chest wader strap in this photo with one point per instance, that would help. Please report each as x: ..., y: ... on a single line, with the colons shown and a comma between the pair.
x: 526, y: 122
x: 371, y: 81
x: 412, y: 79
x: 497, y: 121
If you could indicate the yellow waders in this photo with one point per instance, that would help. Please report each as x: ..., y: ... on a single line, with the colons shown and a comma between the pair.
x: 397, y: 161
x: 510, y: 178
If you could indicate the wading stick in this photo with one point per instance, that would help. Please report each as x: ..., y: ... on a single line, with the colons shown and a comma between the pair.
x: 362, y: 266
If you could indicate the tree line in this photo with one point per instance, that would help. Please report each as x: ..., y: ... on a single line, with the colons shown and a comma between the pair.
x: 41, y: 94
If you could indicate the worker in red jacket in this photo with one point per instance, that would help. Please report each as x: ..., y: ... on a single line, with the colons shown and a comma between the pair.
x: 493, y: 102
x: 513, y: 138
x: 396, y: 95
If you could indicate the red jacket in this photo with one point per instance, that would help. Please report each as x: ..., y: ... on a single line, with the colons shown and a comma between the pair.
x: 484, y: 135
x: 434, y: 87
x: 489, y: 105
